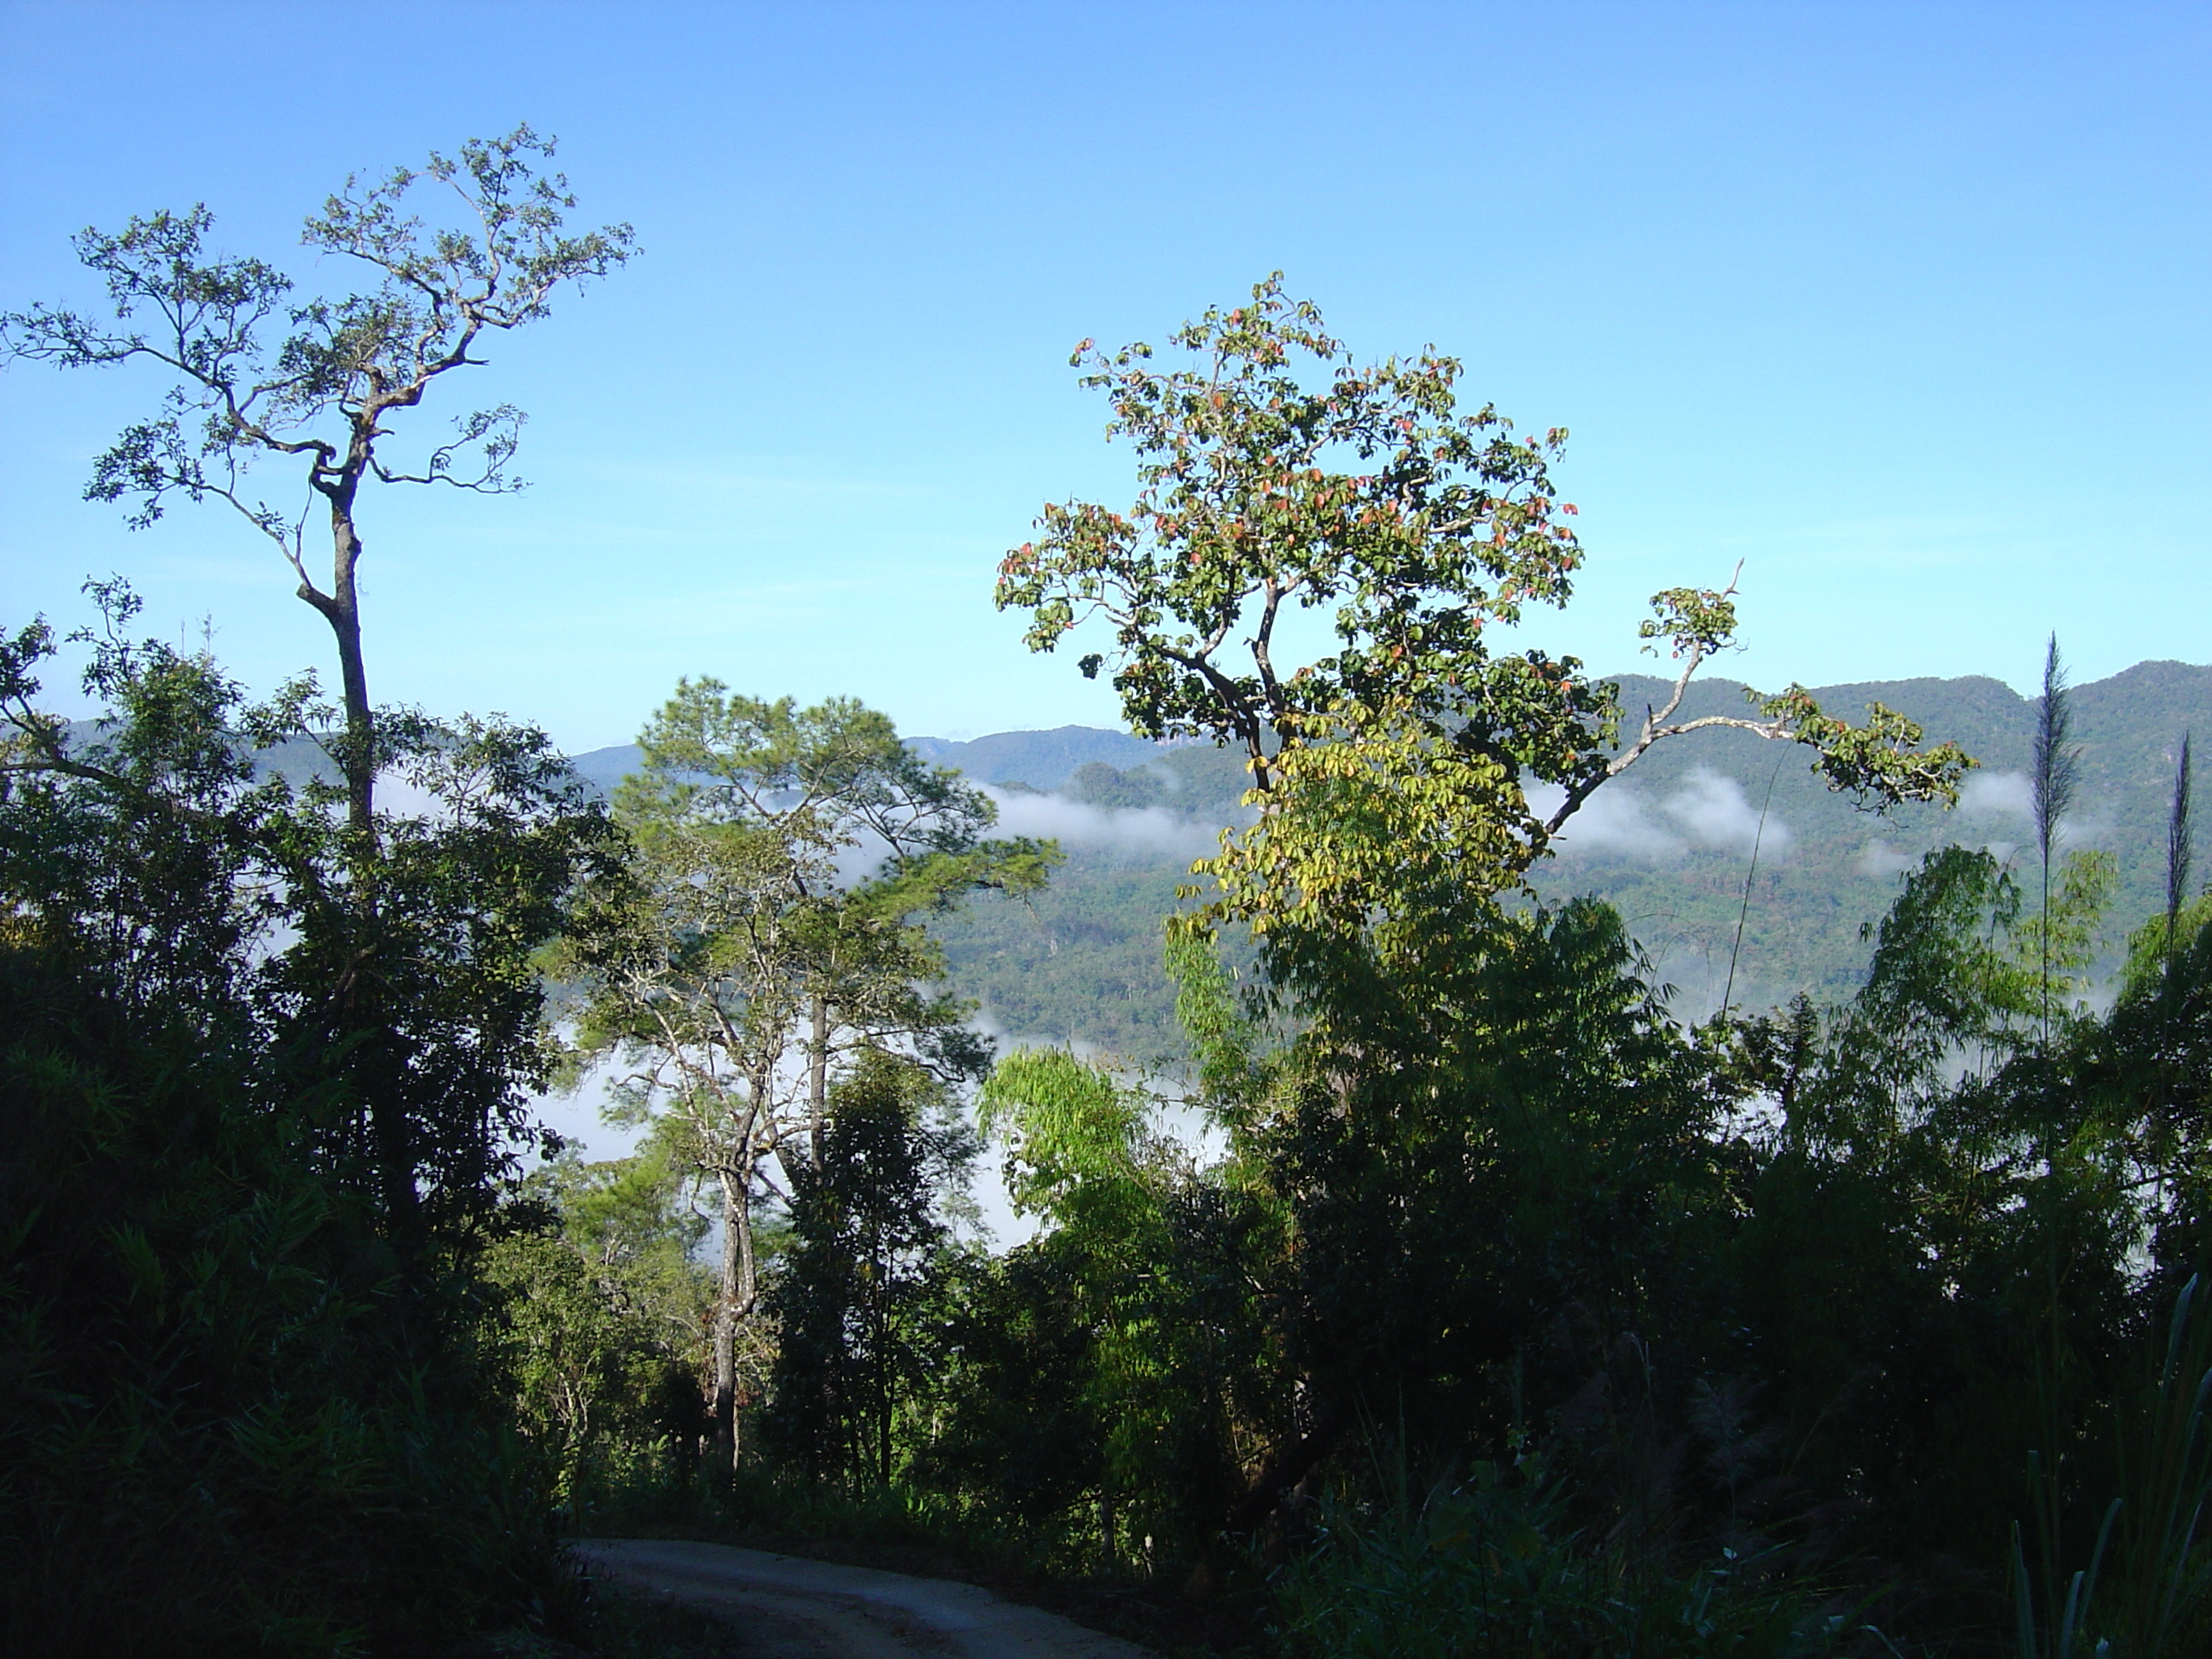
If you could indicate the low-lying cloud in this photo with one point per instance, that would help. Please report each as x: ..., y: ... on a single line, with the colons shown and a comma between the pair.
x: 1879, y: 860
x: 1705, y: 809
x: 1996, y: 795
x: 1136, y: 831
x: 2008, y: 798
x: 1717, y: 813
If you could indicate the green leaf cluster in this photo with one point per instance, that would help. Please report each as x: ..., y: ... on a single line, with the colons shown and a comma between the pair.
x: 244, y: 1401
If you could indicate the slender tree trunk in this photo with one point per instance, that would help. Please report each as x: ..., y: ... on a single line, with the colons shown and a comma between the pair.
x: 340, y: 608
x: 748, y: 1278
x: 886, y: 1377
x: 883, y: 1436
x: 740, y: 1279
x: 374, y: 1065
x: 732, y: 1291
x: 360, y: 729
x: 817, y: 1076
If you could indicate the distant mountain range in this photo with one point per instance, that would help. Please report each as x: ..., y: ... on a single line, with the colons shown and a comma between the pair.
x: 1670, y: 842
x: 1672, y: 851
x: 1041, y: 760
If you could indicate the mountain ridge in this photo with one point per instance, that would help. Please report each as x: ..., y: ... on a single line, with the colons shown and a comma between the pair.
x: 1668, y: 843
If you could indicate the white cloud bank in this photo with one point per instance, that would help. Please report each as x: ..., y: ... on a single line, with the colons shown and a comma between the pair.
x: 1879, y: 860
x: 1705, y: 809
x: 2007, y: 799
x: 1997, y: 795
x: 1136, y: 831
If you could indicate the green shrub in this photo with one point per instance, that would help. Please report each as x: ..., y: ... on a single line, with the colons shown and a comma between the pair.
x: 1490, y: 1565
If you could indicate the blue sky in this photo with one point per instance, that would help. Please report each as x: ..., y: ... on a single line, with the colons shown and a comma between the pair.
x: 1907, y: 307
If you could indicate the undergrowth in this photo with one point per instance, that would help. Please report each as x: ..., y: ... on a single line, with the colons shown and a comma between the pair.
x: 1491, y: 1565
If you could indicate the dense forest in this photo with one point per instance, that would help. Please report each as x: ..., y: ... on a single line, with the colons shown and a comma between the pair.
x: 1514, y: 1307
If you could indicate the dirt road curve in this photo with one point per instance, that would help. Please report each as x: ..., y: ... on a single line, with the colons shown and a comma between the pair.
x: 790, y: 1608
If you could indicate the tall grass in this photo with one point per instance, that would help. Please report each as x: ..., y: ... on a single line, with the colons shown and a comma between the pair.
x: 2146, y: 1590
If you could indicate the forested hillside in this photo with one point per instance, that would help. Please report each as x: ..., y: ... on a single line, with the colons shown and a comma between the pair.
x: 1670, y: 843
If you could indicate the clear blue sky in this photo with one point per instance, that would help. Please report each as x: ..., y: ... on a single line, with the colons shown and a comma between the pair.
x: 1904, y: 306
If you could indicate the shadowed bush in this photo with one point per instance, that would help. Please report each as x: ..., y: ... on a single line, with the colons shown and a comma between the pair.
x: 213, y: 1436
x: 1491, y: 1565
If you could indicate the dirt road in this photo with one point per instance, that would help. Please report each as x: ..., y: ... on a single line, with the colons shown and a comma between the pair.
x: 786, y: 1607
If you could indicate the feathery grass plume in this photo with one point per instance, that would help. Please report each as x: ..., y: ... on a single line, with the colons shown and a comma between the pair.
x: 2058, y: 775
x: 2057, y: 760
x: 2177, y: 850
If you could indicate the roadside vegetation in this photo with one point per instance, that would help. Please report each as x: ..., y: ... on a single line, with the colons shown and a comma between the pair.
x: 1505, y: 1314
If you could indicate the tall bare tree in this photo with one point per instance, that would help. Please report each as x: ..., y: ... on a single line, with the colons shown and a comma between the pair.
x: 309, y: 386
x: 283, y: 407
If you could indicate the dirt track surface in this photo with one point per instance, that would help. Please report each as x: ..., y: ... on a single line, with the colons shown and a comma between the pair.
x: 788, y: 1607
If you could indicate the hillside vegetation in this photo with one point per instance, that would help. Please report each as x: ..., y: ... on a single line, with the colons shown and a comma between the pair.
x: 1669, y: 843
x: 1505, y: 1308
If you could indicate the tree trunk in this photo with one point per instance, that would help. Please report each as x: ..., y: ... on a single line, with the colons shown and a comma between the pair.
x: 817, y: 1076
x: 886, y: 1375
x: 738, y: 1288
x: 747, y: 1279
x: 1290, y: 1464
x: 391, y: 1131
x: 374, y: 1066
x: 340, y: 608
x: 737, y: 1249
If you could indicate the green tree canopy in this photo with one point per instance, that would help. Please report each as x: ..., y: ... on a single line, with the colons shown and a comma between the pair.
x: 766, y: 932
x: 1277, y: 474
